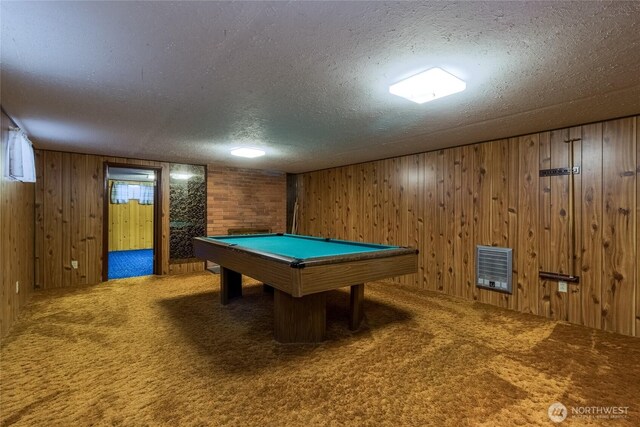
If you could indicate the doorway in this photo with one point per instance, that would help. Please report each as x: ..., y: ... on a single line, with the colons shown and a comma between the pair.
x: 131, y: 228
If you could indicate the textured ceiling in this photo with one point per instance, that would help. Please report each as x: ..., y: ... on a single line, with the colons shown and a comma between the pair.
x: 308, y: 82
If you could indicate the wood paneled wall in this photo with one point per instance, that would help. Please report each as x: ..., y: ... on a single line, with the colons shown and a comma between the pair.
x: 186, y: 266
x: 69, y: 213
x: 130, y: 225
x: 16, y: 242
x: 447, y: 202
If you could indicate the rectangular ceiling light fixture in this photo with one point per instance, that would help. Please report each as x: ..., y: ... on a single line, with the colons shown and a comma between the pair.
x: 247, y: 152
x: 428, y: 85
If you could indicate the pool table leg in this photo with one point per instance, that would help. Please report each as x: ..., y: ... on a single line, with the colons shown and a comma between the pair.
x: 299, y: 319
x: 356, y: 312
x: 230, y: 285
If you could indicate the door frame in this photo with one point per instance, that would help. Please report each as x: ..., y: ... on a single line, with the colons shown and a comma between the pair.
x: 157, y: 216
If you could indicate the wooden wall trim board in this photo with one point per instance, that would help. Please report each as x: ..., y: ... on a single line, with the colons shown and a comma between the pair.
x: 446, y: 202
x: 637, y: 289
x: 186, y: 266
x: 17, y: 243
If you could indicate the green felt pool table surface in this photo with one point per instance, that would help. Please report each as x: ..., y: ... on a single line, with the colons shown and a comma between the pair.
x: 299, y: 247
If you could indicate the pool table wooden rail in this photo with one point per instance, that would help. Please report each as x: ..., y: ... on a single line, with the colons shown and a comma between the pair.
x: 299, y: 278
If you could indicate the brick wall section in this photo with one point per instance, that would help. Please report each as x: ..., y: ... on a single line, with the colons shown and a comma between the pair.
x: 245, y: 198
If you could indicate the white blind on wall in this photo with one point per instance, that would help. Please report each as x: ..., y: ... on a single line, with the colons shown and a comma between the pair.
x: 19, y: 159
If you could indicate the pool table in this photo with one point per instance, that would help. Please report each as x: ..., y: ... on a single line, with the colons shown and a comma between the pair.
x: 301, y: 269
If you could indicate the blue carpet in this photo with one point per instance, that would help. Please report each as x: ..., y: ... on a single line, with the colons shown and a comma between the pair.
x: 138, y: 262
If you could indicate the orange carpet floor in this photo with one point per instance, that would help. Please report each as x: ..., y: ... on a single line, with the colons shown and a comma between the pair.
x: 162, y: 351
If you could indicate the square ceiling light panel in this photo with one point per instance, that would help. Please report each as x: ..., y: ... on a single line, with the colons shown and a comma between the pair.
x: 247, y: 152
x: 428, y: 85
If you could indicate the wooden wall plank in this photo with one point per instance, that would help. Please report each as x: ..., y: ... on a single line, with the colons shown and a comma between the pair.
x: 442, y: 222
x: 94, y: 181
x: 387, y: 202
x: 591, y: 211
x: 574, y: 314
x: 429, y: 224
x: 66, y: 219
x: 53, y: 237
x: 422, y: 243
x: 354, y: 199
x: 457, y: 222
x: 78, y: 217
x: 449, y: 224
x: 511, y: 301
x: 39, y: 221
x: 186, y: 267
x: 380, y: 220
x: 482, y: 193
x: 618, y: 283
x: 465, y: 219
x: 5, y: 280
x: 527, y: 287
x: 6, y: 314
x: 559, y: 221
x: 164, y: 215
x: 499, y: 204
x: 499, y: 193
x: 544, y: 231
x: 637, y: 325
x: 410, y: 230
x: 346, y: 183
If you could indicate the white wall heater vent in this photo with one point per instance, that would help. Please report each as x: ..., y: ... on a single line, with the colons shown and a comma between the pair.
x: 494, y: 268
